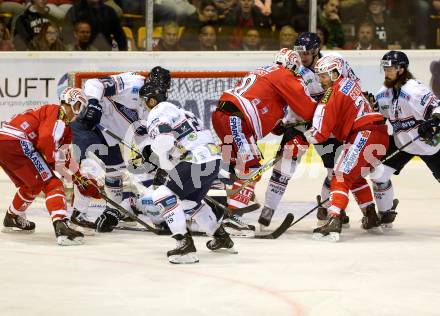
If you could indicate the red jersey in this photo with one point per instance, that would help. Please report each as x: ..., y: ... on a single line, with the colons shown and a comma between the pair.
x: 342, y: 111
x: 41, y: 126
x: 263, y: 95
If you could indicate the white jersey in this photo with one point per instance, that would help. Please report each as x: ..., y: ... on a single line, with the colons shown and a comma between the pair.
x: 178, y: 134
x: 406, y: 109
x: 121, y: 106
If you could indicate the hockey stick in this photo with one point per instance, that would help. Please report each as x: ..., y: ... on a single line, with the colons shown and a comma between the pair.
x: 251, y: 208
x: 117, y: 206
x: 254, y: 175
x: 400, y: 149
x: 286, y: 224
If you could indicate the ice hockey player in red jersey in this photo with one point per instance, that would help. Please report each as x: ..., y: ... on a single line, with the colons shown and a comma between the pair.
x: 345, y: 112
x: 251, y: 110
x: 30, y: 144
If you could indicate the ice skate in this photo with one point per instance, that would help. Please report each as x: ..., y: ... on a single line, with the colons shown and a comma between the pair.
x: 236, y: 227
x: 387, y: 218
x: 371, y: 221
x: 81, y: 222
x: 221, y: 242
x: 266, y: 216
x: 329, y: 231
x: 16, y: 223
x: 185, y: 251
x: 345, y: 219
x: 67, y: 236
x: 322, y: 216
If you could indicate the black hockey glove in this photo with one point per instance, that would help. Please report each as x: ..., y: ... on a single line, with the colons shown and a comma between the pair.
x: 92, y: 114
x: 429, y: 130
x: 160, y: 178
x: 372, y: 100
x: 107, y: 220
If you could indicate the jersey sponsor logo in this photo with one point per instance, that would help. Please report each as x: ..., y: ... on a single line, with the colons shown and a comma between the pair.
x: 36, y: 159
x: 32, y: 135
x: 264, y: 110
x: 352, y: 155
x: 239, y: 138
x: 326, y: 96
x: 255, y: 101
x: 347, y: 87
x: 404, y: 124
x: 135, y: 90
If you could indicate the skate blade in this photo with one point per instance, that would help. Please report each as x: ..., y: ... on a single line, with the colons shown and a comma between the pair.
x: 387, y: 227
x: 85, y: 230
x: 375, y: 230
x: 334, y: 237
x: 240, y: 233
x: 15, y: 230
x: 226, y: 250
x: 185, y: 259
x: 65, y: 241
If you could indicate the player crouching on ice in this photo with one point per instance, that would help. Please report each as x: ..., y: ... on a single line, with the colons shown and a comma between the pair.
x: 31, y: 144
x: 189, y: 154
x: 345, y: 112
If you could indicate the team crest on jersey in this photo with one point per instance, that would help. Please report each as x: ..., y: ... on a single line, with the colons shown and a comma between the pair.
x: 326, y: 96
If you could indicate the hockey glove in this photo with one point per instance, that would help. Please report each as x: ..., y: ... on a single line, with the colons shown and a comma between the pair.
x: 429, y: 131
x: 106, y: 222
x: 140, y: 129
x: 92, y: 115
x: 86, y: 186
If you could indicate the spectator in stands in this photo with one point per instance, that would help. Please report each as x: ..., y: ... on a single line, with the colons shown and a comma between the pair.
x: 328, y: 18
x: 181, y: 8
x: 48, y: 39
x: 287, y: 37
x: 5, y: 40
x: 434, y: 25
x: 161, y: 14
x: 224, y: 7
x: 251, y: 40
x: 82, y: 31
x: 102, y: 19
x: 206, y: 14
x: 265, y: 6
x: 170, y: 38
x: 207, y: 39
x: 323, y: 36
x: 365, y: 38
x: 245, y: 16
x: 29, y: 23
x: 296, y: 13
x: 391, y: 34
x: 59, y: 8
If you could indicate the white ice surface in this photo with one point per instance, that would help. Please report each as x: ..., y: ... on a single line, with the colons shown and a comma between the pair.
x: 127, y: 273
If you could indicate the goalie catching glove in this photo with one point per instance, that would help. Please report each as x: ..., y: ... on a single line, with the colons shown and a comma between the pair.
x: 86, y: 186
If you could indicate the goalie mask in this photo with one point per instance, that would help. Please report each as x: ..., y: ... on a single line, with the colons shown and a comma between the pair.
x: 73, y: 96
x: 288, y: 58
x: 150, y: 90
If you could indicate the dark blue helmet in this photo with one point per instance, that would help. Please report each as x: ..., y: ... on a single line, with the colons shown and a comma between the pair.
x: 307, y: 41
x: 395, y: 58
x: 153, y: 90
x: 160, y: 76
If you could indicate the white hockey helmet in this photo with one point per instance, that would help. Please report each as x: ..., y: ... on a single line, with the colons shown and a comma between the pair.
x: 71, y: 96
x: 288, y: 58
x: 329, y: 63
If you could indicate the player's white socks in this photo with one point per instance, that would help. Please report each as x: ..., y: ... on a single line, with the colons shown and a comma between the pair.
x: 384, y: 195
x: 80, y: 202
x: 206, y: 219
x: 325, y: 190
x: 176, y: 220
x: 281, y: 174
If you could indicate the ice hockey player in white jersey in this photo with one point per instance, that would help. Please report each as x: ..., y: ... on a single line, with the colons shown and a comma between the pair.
x: 308, y: 46
x: 114, y: 103
x: 192, y: 159
x: 412, y: 110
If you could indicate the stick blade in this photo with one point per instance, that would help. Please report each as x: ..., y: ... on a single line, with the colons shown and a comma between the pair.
x: 280, y: 230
